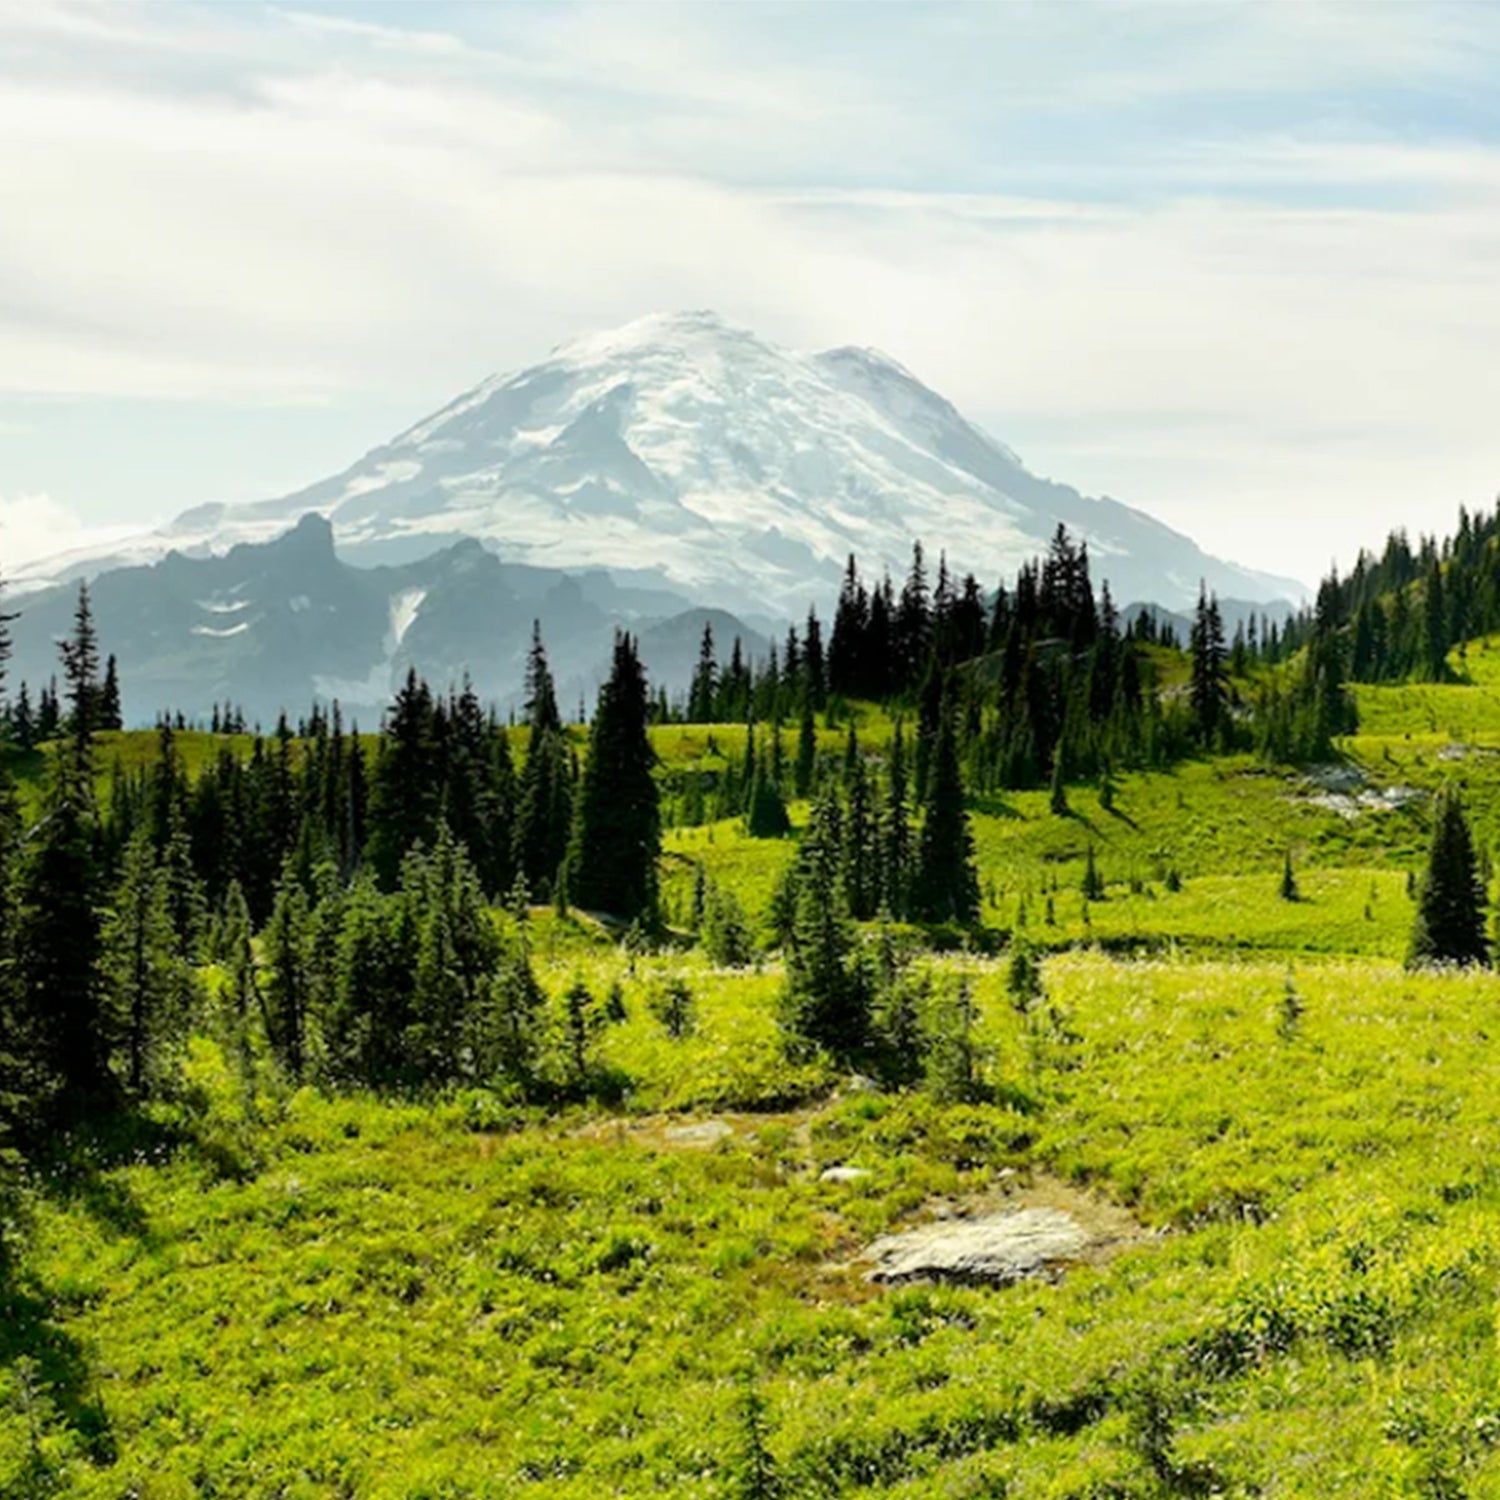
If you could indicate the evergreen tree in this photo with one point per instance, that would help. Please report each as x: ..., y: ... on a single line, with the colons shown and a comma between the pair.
x: 80, y: 656
x: 807, y: 748
x: 946, y: 885
x: 1209, y: 688
x: 291, y: 977
x: 58, y: 940
x: 1449, y: 924
x: 110, y: 715
x: 1288, y: 890
x: 544, y: 814
x: 617, y: 834
x: 896, y: 865
x: 703, y: 694
x: 146, y: 980
x: 406, y: 797
x: 824, y: 1003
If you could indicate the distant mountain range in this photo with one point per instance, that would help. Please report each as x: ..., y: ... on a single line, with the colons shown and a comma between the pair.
x: 674, y: 464
x: 277, y: 624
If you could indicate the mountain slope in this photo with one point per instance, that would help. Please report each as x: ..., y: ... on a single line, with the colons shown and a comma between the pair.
x: 273, y: 625
x: 682, y: 451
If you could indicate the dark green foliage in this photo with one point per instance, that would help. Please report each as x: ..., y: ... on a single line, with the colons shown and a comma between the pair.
x: 1209, y: 690
x: 945, y: 885
x: 807, y: 748
x: 290, y: 976
x: 726, y: 932
x: 1023, y: 977
x: 672, y: 1004
x: 765, y: 813
x: 148, y: 981
x: 544, y: 815
x: 955, y: 1060
x: 405, y: 798
x: 1093, y: 881
x: 1290, y: 1008
x: 1449, y: 927
x: 60, y: 989
x: 616, y: 839
x: 1288, y: 889
x: 751, y: 1470
x: 825, y: 1000
x: 895, y: 864
x: 1057, y: 797
x: 581, y: 1022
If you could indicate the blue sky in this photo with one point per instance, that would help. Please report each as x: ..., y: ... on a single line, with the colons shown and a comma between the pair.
x: 1232, y: 263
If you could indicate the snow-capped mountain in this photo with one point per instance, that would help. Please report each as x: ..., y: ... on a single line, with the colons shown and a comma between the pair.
x: 684, y: 452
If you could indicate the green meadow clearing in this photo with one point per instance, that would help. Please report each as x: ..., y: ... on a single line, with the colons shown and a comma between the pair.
x: 261, y: 1292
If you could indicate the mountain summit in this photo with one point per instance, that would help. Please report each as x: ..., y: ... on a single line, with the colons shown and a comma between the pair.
x: 682, y: 451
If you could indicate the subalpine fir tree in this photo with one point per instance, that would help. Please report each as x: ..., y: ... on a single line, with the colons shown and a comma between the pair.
x: 80, y: 656
x: 825, y: 1002
x: 290, y: 976
x: 616, y: 839
x: 895, y: 830
x: 861, y: 836
x: 946, y: 885
x: 703, y: 694
x: 1209, y: 686
x: 146, y: 980
x: 1449, y: 924
x: 544, y: 816
x: 807, y: 748
x: 110, y: 715
x: 406, y: 796
x: 58, y: 937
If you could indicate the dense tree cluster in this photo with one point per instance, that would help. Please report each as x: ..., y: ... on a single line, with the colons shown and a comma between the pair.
x: 344, y: 889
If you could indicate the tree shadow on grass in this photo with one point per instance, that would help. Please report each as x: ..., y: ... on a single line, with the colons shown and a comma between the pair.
x: 75, y: 1167
x: 54, y: 1370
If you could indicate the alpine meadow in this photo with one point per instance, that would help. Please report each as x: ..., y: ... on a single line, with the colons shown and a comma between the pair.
x: 690, y: 924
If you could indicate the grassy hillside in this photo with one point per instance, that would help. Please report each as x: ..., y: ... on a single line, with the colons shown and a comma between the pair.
x: 283, y: 1294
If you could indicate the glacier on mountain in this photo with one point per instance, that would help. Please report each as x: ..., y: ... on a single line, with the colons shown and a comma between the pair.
x: 682, y: 451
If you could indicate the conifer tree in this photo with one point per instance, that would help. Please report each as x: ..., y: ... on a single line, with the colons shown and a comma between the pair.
x: 146, y: 980
x: 703, y: 693
x: 544, y: 815
x: 405, y: 798
x: 1449, y: 924
x: 616, y: 839
x: 824, y: 1003
x: 290, y: 978
x: 58, y: 938
x: 80, y: 657
x: 946, y: 885
x: 896, y: 864
x: 807, y: 748
x: 110, y: 716
x: 1209, y: 688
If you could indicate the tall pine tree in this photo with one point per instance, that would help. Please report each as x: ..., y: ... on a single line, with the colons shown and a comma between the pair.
x: 1449, y: 924
x: 616, y: 839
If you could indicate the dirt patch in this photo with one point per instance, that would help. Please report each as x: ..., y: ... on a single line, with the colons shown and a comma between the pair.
x: 678, y: 1133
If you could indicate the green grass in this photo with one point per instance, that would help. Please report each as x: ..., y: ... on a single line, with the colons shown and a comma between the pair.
x: 410, y: 1301
x: 456, y: 1298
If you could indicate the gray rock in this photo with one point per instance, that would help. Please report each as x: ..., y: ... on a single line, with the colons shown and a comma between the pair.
x: 996, y: 1249
x: 843, y: 1174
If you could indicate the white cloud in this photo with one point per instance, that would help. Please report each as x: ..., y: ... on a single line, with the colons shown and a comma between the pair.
x: 331, y: 207
x: 33, y: 526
